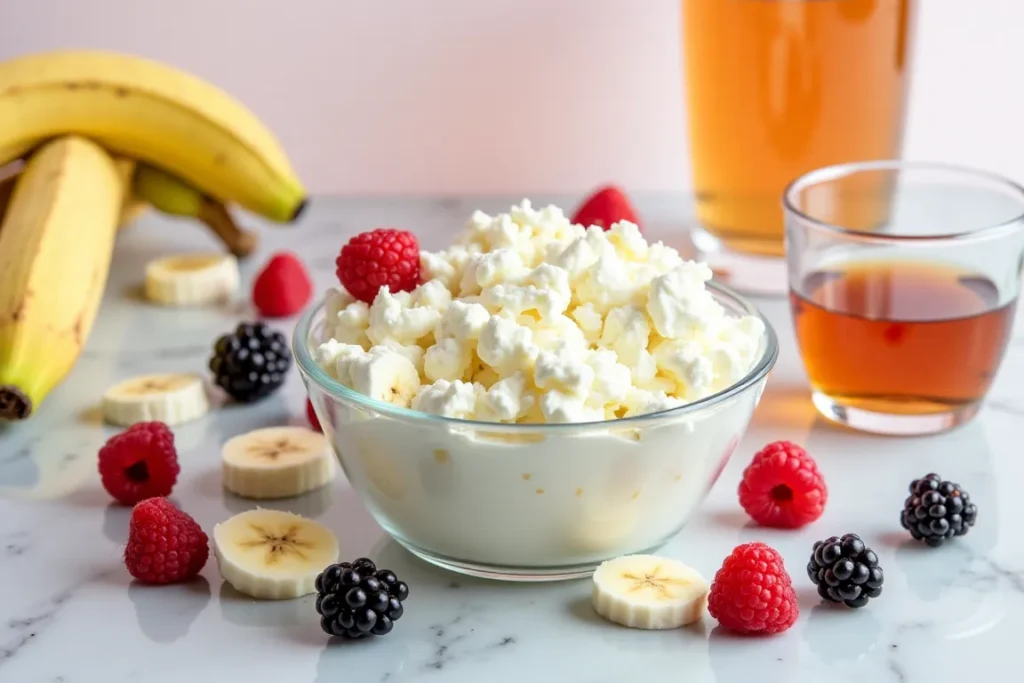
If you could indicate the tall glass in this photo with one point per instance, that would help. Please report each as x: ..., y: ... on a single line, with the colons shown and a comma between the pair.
x: 902, y: 322
x: 774, y: 89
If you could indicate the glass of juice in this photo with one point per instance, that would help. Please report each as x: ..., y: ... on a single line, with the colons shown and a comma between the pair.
x: 903, y: 284
x: 774, y: 89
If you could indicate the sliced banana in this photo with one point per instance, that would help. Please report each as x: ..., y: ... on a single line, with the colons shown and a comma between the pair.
x: 649, y: 592
x: 277, y: 462
x: 172, y: 398
x: 271, y: 554
x: 385, y: 375
x: 192, y: 279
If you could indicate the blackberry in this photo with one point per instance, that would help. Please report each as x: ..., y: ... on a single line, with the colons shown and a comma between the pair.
x: 845, y: 570
x: 356, y: 600
x: 937, y: 510
x: 251, y: 362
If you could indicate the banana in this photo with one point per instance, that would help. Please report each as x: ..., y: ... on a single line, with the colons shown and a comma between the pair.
x: 649, y: 592
x: 191, y: 279
x: 132, y: 208
x: 273, y: 555
x: 276, y: 462
x: 384, y: 375
x: 169, y: 398
x: 175, y: 197
x: 150, y: 112
x: 56, y: 241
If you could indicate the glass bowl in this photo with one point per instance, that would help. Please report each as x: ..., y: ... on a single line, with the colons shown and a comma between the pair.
x: 525, y: 502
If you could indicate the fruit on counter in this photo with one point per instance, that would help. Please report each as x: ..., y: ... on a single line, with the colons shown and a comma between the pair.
x: 140, y: 462
x: 283, y: 287
x: 150, y: 112
x: 273, y: 555
x: 782, y: 487
x: 276, y: 462
x: 357, y: 600
x: 936, y: 510
x: 845, y: 570
x: 173, y: 196
x: 170, y: 398
x: 604, y: 207
x: 165, y: 545
x: 196, y: 279
x: 314, y: 421
x: 250, y: 363
x: 56, y: 242
x: 649, y: 592
x: 379, y: 258
x: 752, y: 593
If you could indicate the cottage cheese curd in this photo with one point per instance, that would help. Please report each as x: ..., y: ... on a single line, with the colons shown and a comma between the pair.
x: 528, y: 318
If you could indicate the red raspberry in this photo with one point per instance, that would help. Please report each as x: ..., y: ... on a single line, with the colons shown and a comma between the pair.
x: 782, y: 487
x: 283, y: 287
x: 377, y: 258
x: 752, y: 592
x: 311, y: 416
x: 606, y: 206
x: 139, y: 463
x: 165, y: 545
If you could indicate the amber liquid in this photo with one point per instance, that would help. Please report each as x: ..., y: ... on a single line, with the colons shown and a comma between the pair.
x: 901, y: 338
x: 777, y: 88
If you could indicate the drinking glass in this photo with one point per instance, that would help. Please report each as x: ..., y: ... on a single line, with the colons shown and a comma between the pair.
x: 774, y: 89
x: 903, y: 284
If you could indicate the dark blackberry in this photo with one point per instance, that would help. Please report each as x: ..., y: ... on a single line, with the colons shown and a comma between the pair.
x: 355, y: 599
x: 251, y: 362
x: 937, y: 510
x: 845, y: 570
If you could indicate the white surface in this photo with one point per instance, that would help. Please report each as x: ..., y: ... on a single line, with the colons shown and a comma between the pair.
x: 510, y: 96
x: 69, y: 612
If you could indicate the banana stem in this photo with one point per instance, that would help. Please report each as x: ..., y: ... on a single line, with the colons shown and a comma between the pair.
x: 14, y: 404
x: 215, y: 215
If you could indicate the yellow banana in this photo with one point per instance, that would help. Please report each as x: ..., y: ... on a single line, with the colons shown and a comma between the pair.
x: 56, y: 241
x: 151, y: 112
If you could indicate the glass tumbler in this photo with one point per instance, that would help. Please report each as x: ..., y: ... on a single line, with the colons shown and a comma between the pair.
x: 903, y: 281
x: 774, y: 89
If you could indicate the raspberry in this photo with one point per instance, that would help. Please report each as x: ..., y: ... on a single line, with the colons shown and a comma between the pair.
x: 379, y: 258
x: 311, y: 416
x: 782, y: 487
x: 165, y: 545
x: 752, y: 592
x: 606, y: 206
x: 139, y: 463
x: 283, y: 287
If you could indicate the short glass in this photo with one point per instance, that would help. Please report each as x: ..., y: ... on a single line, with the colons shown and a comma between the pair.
x: 903, y: 281
x: 774, y: 89
x: 531, y: 502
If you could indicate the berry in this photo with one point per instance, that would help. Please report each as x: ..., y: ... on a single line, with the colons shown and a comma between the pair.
x: 283, y: 287
x: 845, y: 570
x: 165, y: 545
x: 752, y: 592
x: 782, y: 487
x: 379, y: 258
x: 937, y: 510
x: 355, y: 599
x: 139, y: 463
x: 250, y: 363
x: 605, y: 207
x: 311, y: 416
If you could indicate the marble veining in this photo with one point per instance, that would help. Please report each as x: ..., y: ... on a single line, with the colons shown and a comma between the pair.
x: 69, y: 612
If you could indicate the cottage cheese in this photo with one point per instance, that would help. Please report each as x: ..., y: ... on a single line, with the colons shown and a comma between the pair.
x: 578, y: 316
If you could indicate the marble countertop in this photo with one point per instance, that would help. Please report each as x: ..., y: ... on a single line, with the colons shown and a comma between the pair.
x: 69, y: 612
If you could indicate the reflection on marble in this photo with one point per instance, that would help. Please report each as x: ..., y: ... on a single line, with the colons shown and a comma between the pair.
x: 70, y: 612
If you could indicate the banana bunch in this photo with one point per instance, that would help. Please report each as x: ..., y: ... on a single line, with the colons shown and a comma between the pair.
x: 88, y: 139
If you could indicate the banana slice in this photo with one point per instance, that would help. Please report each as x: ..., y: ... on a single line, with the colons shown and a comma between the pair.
x: 649, y: 592
x: 192, y: 279
x: 385, y: 375
x: 277, y: 462
x: 169, y: 398
x: 271, y: 554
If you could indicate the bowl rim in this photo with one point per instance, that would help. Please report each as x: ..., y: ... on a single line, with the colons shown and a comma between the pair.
x: 312, y: 372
